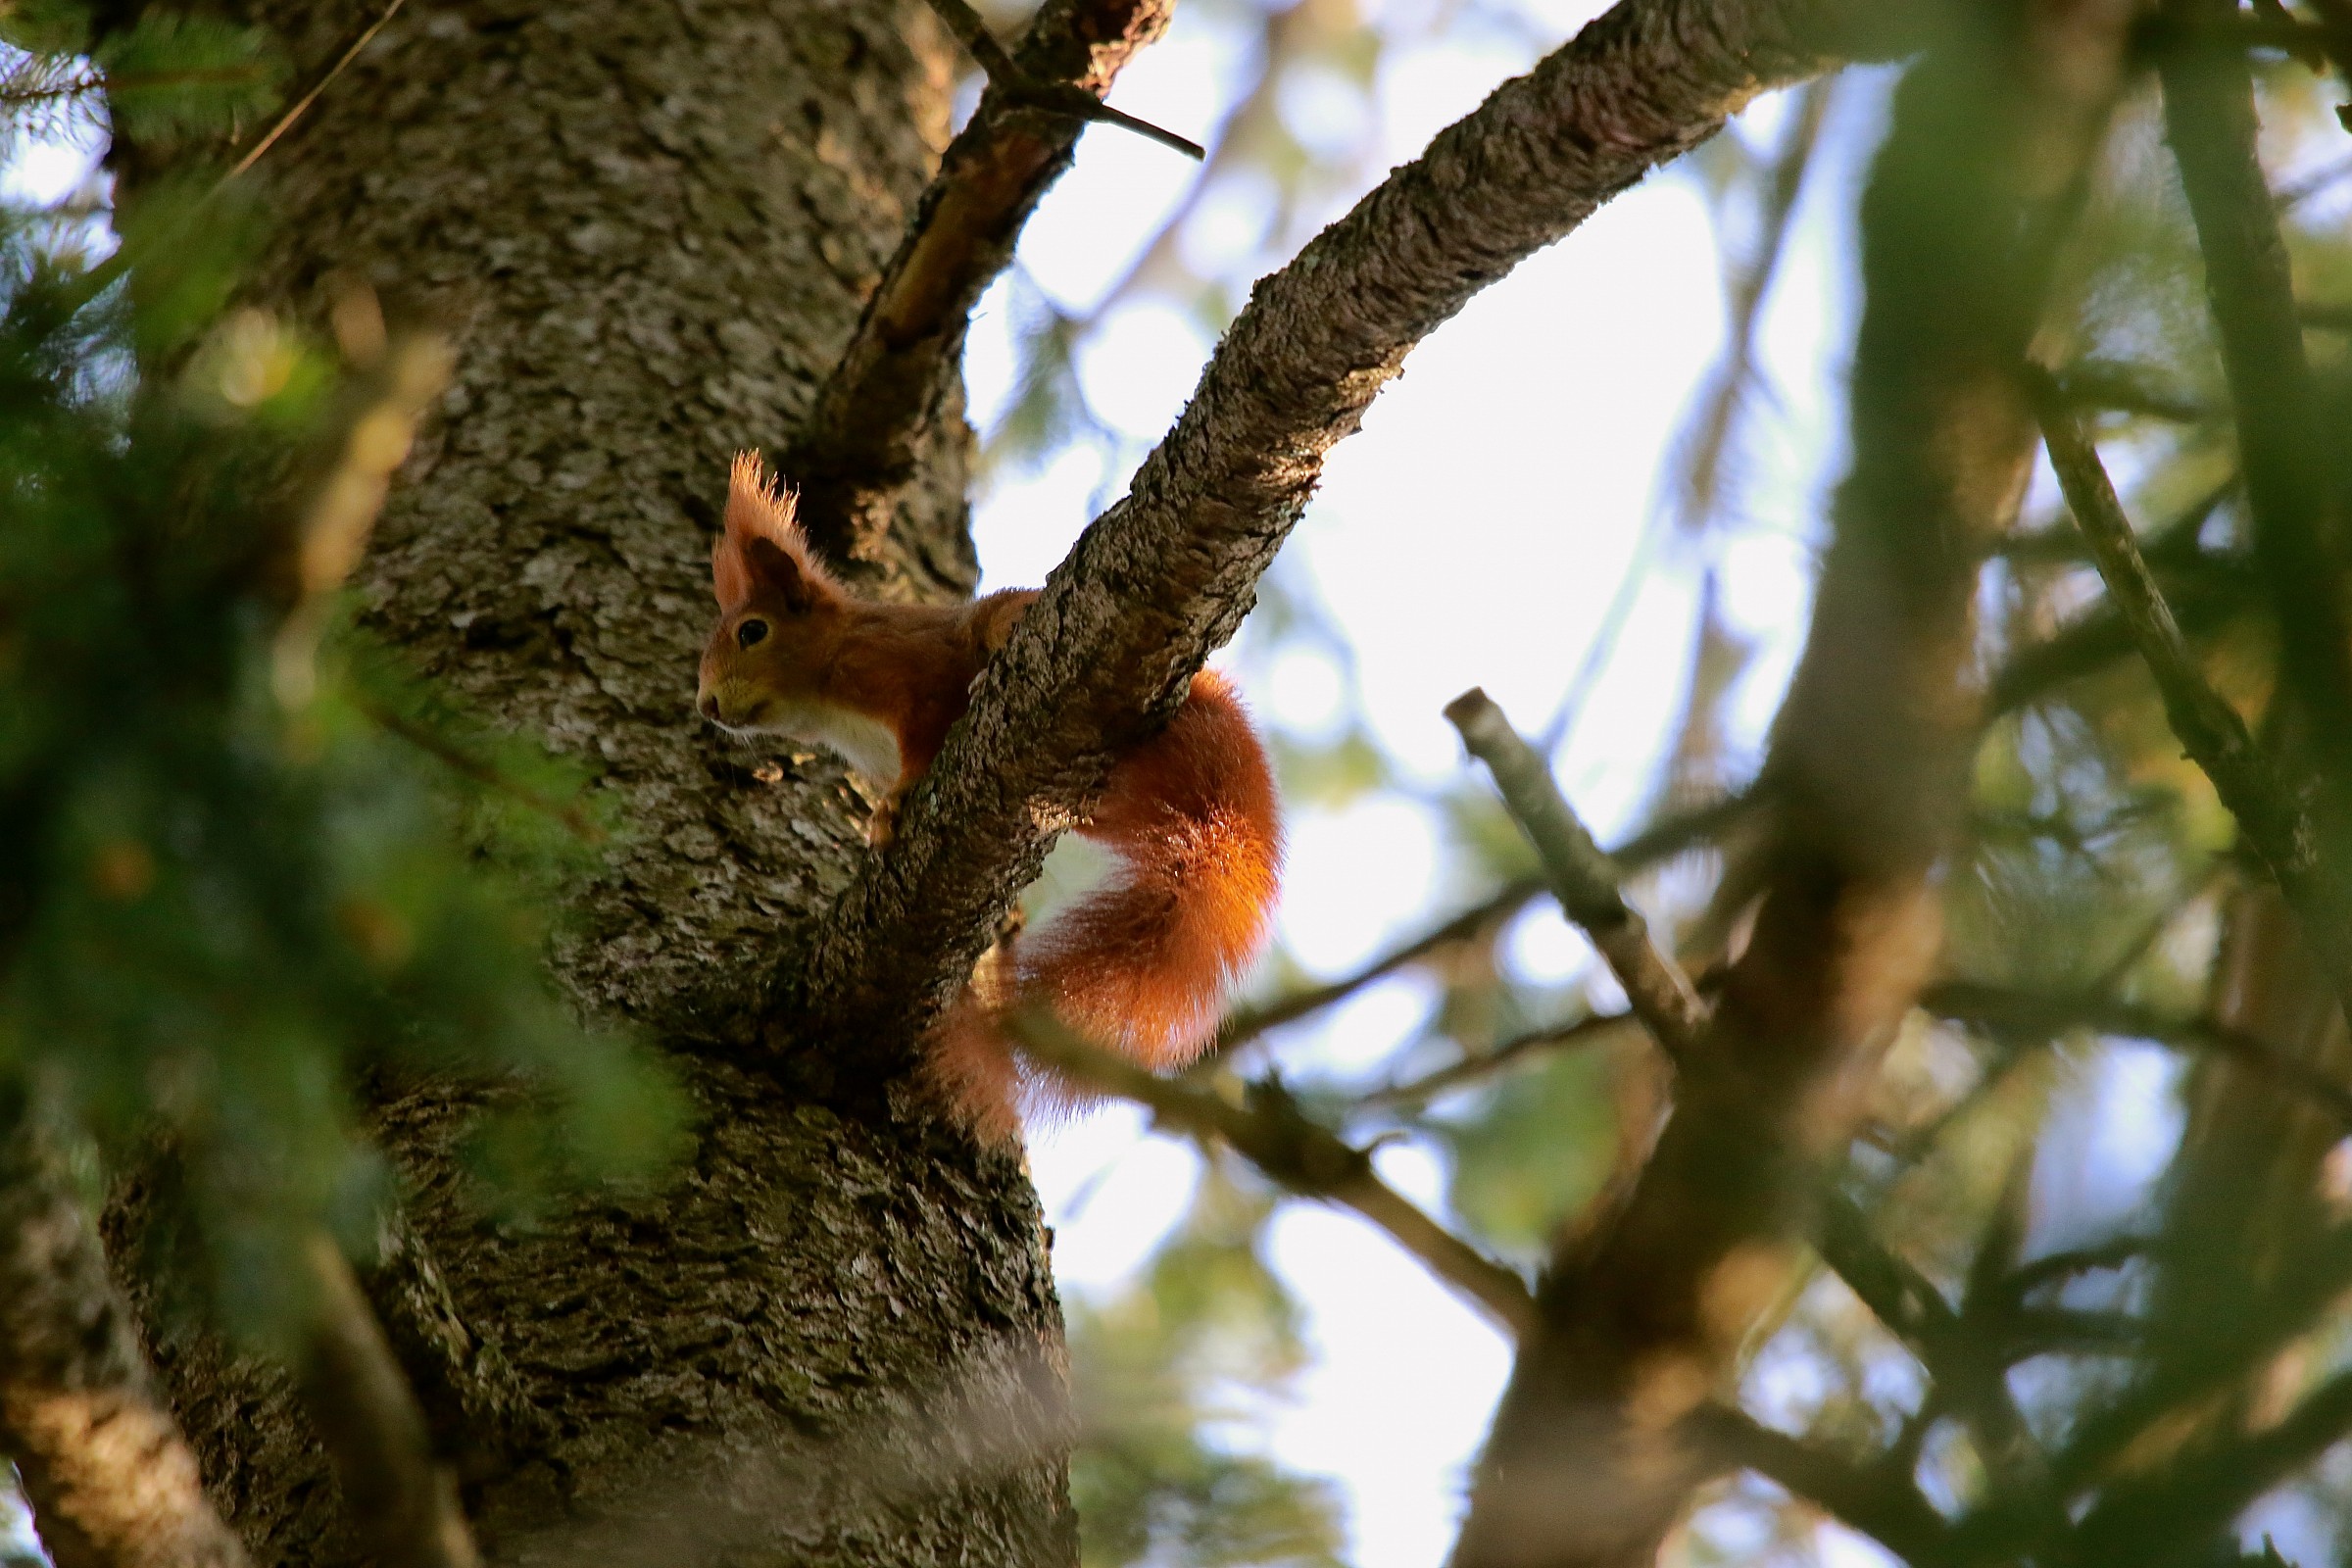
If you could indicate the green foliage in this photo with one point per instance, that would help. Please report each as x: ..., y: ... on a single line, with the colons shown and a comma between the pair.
x: 165, y: 78
x: 2071, y: 869
x: 172, y: 76
x: 229, y: 897
x: 1155, y: 1371
x: 1533, y: 1151
x: 1331, y: 776
x: 46, y: 26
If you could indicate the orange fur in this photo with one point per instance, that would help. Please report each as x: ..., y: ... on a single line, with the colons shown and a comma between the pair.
x: 1141, y: 964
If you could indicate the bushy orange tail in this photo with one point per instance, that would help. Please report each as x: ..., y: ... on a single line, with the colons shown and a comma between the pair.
x: 1140, y: 965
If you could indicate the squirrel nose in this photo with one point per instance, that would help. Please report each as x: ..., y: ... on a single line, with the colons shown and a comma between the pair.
x: 709, y: 706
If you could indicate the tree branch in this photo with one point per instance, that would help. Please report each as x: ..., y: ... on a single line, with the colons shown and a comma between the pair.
x: 1274, y: 1135
x: 2095, y: 642
x: 111, y: 1482
x: 1881, y: 1504
x: 1472, y: 924
x: 1706, y: 447
x: 1166, y: 574
x: 2211, y: 121
x: 1660, y: 840
x: 2168, y: 1401
x: 1052, y: 97
x: 1475, y: 1066
x: 866, y: 435
x: 2273, y: 817
x: 2204, y: 1489
x: 399, y: 1500
x: 302, y: 105
x: 1582, y: 879
x: 1983, y: 1005
x: 1590, y: 1464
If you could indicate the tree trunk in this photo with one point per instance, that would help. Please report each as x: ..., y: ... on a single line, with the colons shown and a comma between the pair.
x: 833, y: 1336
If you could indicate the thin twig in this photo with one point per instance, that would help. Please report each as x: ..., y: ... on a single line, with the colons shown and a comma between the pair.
x: 2214, y: 130
x: 971, y: 30
x: 1246, y: 1024
x: 1662, y: 840
x: 302, y: 105
x: 402, y: 1502
x: 1702, y: 448
x: 466, y: 765
x: 1582, y: 877
x: 1968, y: 1377
x: 1476, y: 1065
x: 1983, y: 1005
x: 1273, y: 1134
x: 1051, y: 97
x: 872, y: 429
x: 2310, y: 187
x: 1702, y: 467
x: 94, y: 282
x: 2211, y: 1482
x: 2171, y: 1393
x: 2271, y: 817
x: 2051, y: 1267
x: 1898, y: 1294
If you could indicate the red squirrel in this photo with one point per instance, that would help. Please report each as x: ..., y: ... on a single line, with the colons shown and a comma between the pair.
x: 1140, y: 966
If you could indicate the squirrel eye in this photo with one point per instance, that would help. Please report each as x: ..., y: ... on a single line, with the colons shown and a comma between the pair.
x: 749, y: 632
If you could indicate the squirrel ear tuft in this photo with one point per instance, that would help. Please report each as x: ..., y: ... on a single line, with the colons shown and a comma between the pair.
x: 758, y: 507
x: 763, y: 544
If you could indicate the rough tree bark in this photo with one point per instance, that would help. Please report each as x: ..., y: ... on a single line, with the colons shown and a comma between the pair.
x: 899, y: 387
x: 1166, y: 575
x: 647, y: 231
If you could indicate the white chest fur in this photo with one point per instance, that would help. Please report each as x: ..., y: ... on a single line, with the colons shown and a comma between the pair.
x: 865, y: 744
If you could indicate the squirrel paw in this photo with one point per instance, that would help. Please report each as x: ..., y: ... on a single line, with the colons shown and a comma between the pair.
x: 883, y: 825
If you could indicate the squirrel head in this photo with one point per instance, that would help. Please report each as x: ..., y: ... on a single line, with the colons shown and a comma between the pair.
x: 776, y: 606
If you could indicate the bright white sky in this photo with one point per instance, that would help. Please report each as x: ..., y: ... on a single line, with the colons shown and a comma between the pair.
x: 1473, y: 534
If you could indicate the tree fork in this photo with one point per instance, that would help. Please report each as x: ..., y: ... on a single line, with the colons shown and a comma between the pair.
x: 647, y: 233
x: 1166, y: 574
x: 1591, y: 1460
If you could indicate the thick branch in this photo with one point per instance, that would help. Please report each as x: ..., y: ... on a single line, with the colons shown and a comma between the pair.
x: 2209, y: 118
x: 1166, y: 574
x: 1590, y: 1464
x: 1582, y: 877
x: 2203, y: 1490
x: 1271, y: 1133
x: 112, y: 1483
x: 2273, y: 817
x: 866, y: 437
x: 399, y: 1500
